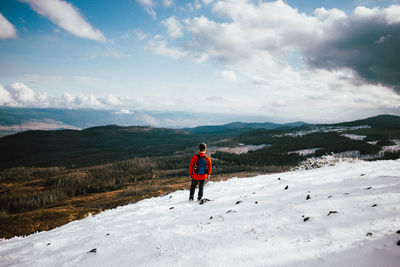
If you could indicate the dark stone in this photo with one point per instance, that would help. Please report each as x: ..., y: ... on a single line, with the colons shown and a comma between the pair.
x: 368, y: 188
x: 306, y: 219
x: 347, y: 193
x: 398, y: 243
x: 256, y: 202
x: 229, y: 211
x: 279, y: 179
x: 374, y: 205
x: 211, y: 217
x: 172, y: 208
x: 204, y: 200
x: 398, y: 231
x: 308, y: 197
x: 329, y: 196
x: 108, y: 234
x: 287, y: 187
x: 362, y: 174
x: 93, y: 250
x: 254, y: 193
x: 332, y: 212
x: 369, y: 234
x: 170, y: 197
x: 238, y: 202
x: 302, y: 216
x: 48, y: 244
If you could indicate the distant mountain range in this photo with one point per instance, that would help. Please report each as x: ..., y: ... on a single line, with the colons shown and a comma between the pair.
x: 13, y: 120
x: 102, y: 144
x: 240, y: 127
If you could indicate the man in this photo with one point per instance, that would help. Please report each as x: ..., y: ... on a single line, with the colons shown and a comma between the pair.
x: 199, y: 170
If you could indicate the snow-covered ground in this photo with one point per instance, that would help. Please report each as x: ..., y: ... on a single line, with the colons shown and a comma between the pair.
x: 324, y: 129
x: 393, y: 148
x: 354, y: 136
x: 242, y: 149
x: 353, y: 215
x: 305, y: 152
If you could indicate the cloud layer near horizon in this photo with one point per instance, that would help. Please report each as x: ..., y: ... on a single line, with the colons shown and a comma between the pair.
x: 17, y: 94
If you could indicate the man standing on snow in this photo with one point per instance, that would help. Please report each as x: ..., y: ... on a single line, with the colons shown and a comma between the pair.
x: 199, y: 170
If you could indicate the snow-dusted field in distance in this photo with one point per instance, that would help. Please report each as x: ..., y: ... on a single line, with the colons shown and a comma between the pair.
x: 353, y: 215
x: 241, y: 149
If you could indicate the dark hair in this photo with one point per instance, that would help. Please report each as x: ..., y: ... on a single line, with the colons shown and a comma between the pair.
x: 202, y: 147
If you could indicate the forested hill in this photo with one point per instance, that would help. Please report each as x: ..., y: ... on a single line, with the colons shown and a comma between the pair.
x: 95, y: 145
x: 104, y: 144
x: 382, y: 121
x: 240, y: 127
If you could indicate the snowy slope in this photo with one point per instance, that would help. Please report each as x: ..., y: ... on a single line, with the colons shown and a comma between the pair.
x: 266, y: 228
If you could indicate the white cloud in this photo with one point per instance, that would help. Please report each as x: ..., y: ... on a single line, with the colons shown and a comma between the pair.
x: 123, y: 111
x: 228, y: 75
x: 392, y: 14
x: 258, y: 39
x: 18, y: 94
x: 167, y: 3
x: 159, y: 46
x: 197, y: 4
x: 275, y: 46
x: 148, y: 4
x: 21, y: 93
x: 207, y: 2
x: 67, y: 17
x: 174, y: 28
x: 151, y: 12
x: 5, y: 96
x: 7, y: 30
x: 138, y: 34
x: 111, y: 100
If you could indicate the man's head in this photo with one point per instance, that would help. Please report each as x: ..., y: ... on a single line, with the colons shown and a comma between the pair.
x: 202, y: 147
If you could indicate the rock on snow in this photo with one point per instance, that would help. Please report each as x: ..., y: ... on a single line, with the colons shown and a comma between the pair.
x: 266, y: 229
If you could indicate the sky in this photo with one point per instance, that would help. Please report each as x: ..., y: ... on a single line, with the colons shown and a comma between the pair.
x: 314, y: 61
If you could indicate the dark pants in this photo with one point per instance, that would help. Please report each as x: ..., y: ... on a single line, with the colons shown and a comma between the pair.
x: 193, y: 187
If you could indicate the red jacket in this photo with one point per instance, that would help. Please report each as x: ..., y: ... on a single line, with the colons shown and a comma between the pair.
x: 193, y: 163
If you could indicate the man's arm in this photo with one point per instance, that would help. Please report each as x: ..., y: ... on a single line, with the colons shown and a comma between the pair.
x: 208, y: 159
x: 191, y: 167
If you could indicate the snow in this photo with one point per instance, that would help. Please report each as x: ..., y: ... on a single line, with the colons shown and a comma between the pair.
x: 393, y: 148
x: 242, y: 149
x: 305, y: 152
x: 354, y: 136
x: 270, y: 233
x: 325, y: 129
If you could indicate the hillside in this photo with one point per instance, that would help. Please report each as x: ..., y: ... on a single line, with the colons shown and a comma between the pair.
x: 91, y: 146
x: 14, y: 120
x: 240, y: 127
x: 350, y: 219
x: 49, y: 178
x: 382, y: 121
x: 105, y: 144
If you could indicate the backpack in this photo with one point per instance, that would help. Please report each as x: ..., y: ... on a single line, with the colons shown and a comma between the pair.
x: 201, y: 165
